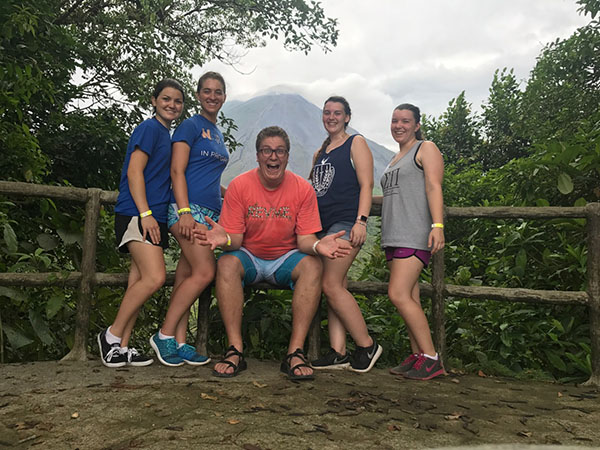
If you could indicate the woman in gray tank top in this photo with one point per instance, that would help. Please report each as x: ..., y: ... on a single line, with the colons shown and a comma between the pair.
x: 411, y: 231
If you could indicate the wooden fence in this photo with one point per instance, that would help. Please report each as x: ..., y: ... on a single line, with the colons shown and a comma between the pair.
x: 438, y: 291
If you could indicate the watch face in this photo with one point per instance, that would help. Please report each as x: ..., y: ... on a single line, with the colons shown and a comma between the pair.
x: 363, y: 218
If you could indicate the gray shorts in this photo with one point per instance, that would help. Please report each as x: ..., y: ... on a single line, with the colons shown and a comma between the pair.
x: 345, y: 225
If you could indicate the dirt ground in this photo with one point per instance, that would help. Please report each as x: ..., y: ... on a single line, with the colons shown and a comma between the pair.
x: 59, y: 405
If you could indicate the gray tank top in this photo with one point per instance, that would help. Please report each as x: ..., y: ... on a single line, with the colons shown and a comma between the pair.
x: 405, y: 216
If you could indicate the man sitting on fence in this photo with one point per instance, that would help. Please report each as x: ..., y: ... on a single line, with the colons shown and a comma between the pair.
x: 267, y: 231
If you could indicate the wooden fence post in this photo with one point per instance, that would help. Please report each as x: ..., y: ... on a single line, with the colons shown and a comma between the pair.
x: 438, y: 314
x: 88, y: 270
x: 202, y: 321
x: 593, y: 287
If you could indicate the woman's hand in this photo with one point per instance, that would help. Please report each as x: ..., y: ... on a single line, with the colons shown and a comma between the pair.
x: 436, y: 240
x: 358, y: 234
x: 151, y: 229
x: 186, y: 224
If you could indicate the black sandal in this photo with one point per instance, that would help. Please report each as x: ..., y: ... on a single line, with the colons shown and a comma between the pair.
x: 290, y: 371
x: 237, y: 368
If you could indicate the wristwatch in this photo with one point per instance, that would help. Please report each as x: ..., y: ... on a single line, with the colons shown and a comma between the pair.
x: 362, y: 218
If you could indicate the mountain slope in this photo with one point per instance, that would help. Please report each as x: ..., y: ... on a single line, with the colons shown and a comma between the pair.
x: 299, y: 118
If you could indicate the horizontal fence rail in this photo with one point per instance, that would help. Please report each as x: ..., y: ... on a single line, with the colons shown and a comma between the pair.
x: 438, y: 291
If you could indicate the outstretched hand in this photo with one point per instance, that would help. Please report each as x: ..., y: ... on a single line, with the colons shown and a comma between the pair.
x: 215, y: 237
x: 332, y: 247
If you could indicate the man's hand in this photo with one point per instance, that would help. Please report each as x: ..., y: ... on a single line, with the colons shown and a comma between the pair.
x: 215, y: 237
x: 332, y: 247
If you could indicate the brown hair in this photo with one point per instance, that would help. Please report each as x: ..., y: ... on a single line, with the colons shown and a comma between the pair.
x: 327, y: 141
x: 273, y: 131
x: 211, y: 76
x: 416, y: 114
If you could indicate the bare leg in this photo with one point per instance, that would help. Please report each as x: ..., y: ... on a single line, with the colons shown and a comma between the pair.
x: 230, y: 297
x: 307, y: 292
x: 403, y: 277
x: 196, y: 271
x: 416, y: 295
x: 150, y: 264
x: 337, y: 332
x: 343, y: 304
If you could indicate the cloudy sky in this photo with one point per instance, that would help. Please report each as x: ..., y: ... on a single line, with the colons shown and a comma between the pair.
x: 395, y: 51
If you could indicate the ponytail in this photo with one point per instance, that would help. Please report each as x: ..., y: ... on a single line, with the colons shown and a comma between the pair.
x: 324, y: 145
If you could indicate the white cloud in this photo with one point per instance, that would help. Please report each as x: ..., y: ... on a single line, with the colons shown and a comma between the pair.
x: 395, y: 51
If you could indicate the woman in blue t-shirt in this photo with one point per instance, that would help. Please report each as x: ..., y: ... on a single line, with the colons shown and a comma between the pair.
x: 199, y: 158
x: 141, y: 220
x: 342, y: 176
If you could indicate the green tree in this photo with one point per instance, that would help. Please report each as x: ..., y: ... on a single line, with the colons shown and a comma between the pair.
x: 501, y: 122
x: 564, y: 88
x: 455, y: 132
x: 94, y: 62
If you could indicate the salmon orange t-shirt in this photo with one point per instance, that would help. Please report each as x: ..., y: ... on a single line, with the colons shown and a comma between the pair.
x: 270, y: 220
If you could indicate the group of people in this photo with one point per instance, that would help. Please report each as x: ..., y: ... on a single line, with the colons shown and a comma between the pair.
x: 275, y: 226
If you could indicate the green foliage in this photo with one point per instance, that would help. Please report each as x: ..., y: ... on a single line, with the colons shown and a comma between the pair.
x: 500, y: 122
x: 564, y: 88
x: 455, y: 132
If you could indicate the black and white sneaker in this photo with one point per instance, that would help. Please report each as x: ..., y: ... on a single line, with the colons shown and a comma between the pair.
x: 137, y: 359
x: 332, y: 360
x: 110, y: 353
x: 364, y: 358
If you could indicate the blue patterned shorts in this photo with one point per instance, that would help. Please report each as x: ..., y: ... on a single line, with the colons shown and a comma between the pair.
x: 198, y: 213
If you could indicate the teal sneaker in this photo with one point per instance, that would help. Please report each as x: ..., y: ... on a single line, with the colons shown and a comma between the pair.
x: 191, y: 356
x: 166, y: 350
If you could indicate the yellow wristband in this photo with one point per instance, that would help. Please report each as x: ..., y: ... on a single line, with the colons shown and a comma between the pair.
x: 146, y: 213
x: 182, y: 210
x: 228, y: 239
x: 437, y: 225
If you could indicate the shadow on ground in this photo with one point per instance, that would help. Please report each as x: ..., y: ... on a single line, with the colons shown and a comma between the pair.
x: 59, y: 405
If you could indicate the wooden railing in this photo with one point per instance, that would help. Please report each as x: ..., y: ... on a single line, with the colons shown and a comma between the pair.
x: 438, y: 291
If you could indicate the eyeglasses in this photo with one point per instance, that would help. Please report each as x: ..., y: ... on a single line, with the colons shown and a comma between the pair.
x: 267, y: 151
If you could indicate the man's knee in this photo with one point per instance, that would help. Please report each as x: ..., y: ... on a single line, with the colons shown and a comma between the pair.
x: 309, y: 268
x: 229, y: 267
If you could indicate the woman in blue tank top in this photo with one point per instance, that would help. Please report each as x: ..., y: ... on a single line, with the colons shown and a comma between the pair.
x: 342, y: 176
x: 411, y: 231
x: 141, y: 220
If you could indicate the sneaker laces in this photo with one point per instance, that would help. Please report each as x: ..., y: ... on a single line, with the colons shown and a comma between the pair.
x: 114, y: 350
x: 420, y: 360
x: 410, y: 358
x: 131, y: 353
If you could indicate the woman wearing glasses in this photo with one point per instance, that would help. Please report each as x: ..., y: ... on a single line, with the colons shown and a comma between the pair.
x: 198, y: 160
x: 342, y: 176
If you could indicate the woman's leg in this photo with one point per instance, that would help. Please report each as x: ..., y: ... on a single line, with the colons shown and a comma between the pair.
x: 147, y: 276
x: 196, y: 271
x: 347, y: 313
x: 404, y: 275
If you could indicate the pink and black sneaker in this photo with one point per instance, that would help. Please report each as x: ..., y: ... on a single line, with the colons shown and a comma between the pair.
x: 425, y: 368
x: 405, y: 365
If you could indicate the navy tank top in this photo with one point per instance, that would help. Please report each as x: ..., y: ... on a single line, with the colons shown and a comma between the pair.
x: 336, y: 185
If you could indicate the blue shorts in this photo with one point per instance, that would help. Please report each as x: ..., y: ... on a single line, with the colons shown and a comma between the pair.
x: 345, y: 225
x: 198, y: 213
x: 275, y: 271
x: 405, y: 252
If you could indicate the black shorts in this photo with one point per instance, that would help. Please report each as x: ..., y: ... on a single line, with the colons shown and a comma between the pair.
x: 128, y: 229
